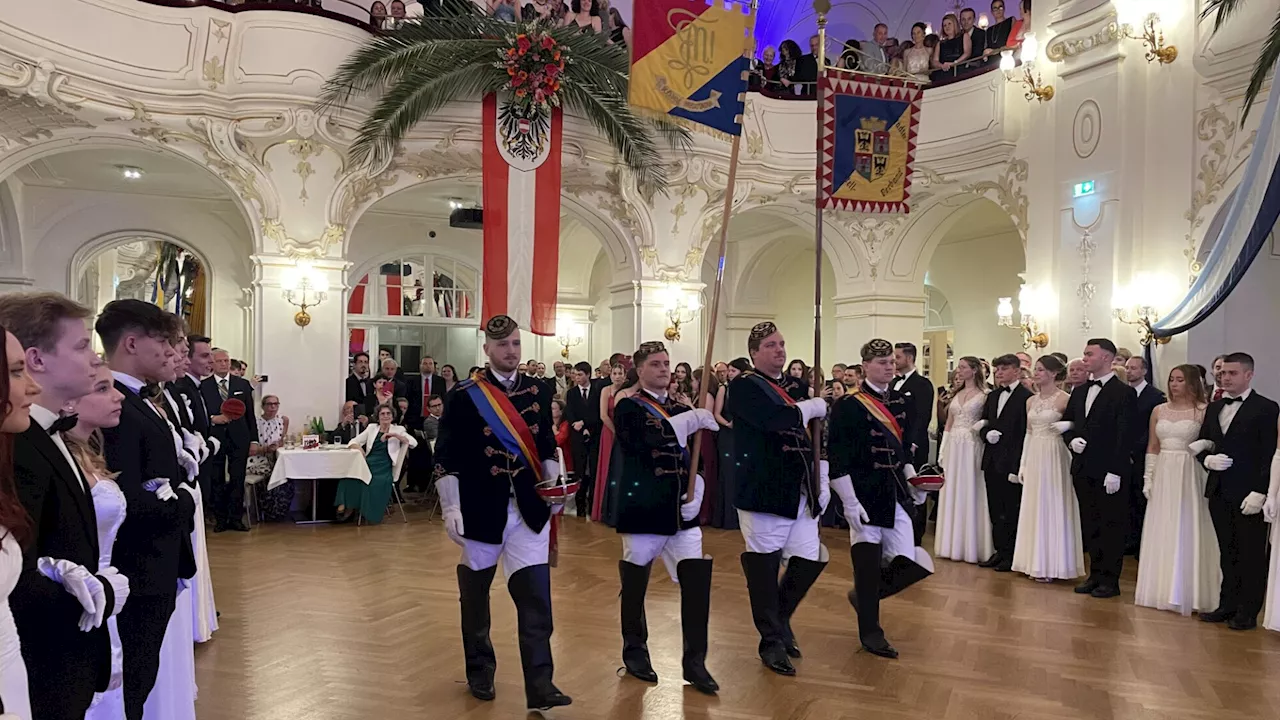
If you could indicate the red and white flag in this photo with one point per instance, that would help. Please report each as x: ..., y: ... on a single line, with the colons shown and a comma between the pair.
x: 521, y: 181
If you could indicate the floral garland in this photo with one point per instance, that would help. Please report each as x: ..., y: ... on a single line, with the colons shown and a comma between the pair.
x: 535, y: 64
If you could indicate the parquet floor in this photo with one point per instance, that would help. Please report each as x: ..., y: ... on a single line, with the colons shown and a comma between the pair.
x: 346, y: 623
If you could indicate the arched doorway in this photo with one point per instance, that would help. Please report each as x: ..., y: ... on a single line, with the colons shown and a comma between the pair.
x: 148, y: 267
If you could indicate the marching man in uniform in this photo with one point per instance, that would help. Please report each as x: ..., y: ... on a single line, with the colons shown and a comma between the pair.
x: 868, y: 448
x: 494, y: 447
x: 658, y: 505
x: 779, y: 499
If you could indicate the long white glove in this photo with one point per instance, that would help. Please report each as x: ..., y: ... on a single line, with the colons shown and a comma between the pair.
x: 942, y: 449
x: 853, y: 510
x: 1149, y: 475
x: 450, y: 507
x: 73, y: 578
x: 189, y: 463
x: 161, y: 488
x: 811, y: 409
x: 217, y: 445
x: 690, y: 510
x: 195, y: 445
x: 824, y: 486
x: 1272, y: 506
x: 1253, y: 503
x: 977, y: 427
x: 1219, y: 462
x: 119, y: 589
x: 1062, y: 426
x: 690, y: 422
x: 1111, y: 483
x: 1078, y: 445
x: 1198, y: 446
x: 993, y: 436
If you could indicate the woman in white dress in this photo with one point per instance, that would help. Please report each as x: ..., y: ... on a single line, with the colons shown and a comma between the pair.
x: 1271, y: 511
x: 16, y: 391
x: 1049, y: 545
x: 963, y: 531
x: 205, y: 612
x: 1180, y: 568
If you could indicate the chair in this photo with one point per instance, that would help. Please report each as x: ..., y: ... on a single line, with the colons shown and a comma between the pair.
x: 251, y: 497
x: 396, y: 469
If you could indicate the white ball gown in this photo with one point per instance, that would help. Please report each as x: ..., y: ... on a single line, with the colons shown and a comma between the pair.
x: 204, y: 612
x: 963, y: 531
x: 1271, y: 608
x: 1049, y: 543
x: 110, y: 508
x: 1179, y: 569
x: 13, y: 673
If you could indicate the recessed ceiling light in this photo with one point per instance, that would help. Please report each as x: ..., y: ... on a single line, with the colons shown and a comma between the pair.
x: 130, y: 173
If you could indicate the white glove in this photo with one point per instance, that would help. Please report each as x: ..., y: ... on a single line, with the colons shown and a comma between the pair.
x: 550, y: 470
x: 161, y: 488
x: 1198, y: 446
x: 993, y: 436
x: 707, y: 420
x: 853, y: 510
x: 1015, y: 478
x: 909, y: 471
x: 73, y: 578
x: 450, y: 507
x: 1062, y: 426
x: 189, y: 464
x: 824, y: 486
x: 1272, y: 506
x: 194, y: 444
x: 1253, y: 503
x: 690, y: 509
x: 811, y: 409
x: 1149, y: 475
x: 1111, y: 484
x: 977, y: 427
x: 689, y: 422
x: 918, y: 496
x: 217, y: 446
x: 1219, y: 462
x: 119, y: 589
x: 1078, y: 445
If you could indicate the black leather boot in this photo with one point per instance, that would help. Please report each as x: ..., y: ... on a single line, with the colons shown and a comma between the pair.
x: 900, y: 574
x: 761, y: 570
x: 635, y: 631
x: 796, y: 581
x: 530, y: 588
x: 695, y: 610
x: 865, y: 598
x: 473, y: 595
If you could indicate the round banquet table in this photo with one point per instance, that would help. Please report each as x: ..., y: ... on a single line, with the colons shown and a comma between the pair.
x: 323, y: 463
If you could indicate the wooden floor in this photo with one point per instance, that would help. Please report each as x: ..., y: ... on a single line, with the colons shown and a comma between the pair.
x: 346, y: 623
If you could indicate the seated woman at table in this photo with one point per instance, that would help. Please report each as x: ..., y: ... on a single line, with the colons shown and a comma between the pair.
x: 348, y: 426
x: 272, y: 429
x: 384, y: 446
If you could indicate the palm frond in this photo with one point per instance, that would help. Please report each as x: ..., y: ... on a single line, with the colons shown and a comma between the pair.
x: 625, y: 130
x: 1266, y: 61
x: 1222, y: 10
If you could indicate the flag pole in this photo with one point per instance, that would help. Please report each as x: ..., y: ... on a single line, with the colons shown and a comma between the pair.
x: 822, y: 7
x: 695, y: 452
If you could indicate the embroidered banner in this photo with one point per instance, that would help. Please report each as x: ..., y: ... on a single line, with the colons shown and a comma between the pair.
x: 506, y: 423
x: 867, y: 143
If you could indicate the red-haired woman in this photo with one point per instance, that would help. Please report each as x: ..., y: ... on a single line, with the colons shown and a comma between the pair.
x: 16, y: 391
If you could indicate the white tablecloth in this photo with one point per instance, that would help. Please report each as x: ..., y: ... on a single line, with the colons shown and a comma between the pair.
x: 298, y: 464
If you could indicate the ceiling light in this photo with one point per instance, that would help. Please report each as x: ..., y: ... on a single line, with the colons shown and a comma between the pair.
x: 130, y: 173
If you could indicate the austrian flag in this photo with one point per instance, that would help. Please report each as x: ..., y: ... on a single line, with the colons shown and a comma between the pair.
x: 521, y: 181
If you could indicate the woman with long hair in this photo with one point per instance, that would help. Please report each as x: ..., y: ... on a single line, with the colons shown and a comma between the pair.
x: 797, y: 369
x: 585, y: 17
x: 561, y: 428
x: 1048, y: 546
x: 915, y: 59
x: 682, y: 378
x: 705, y: 392
x: 953, y: 49
x: 785, y: 71
x: 17, y: 388
x: 450, y: 375
x: 725, y: 513
x: 1180, y: 568
x: 378, y: 15
x: 617, y: 376
x: 963, y: 531
x: 621, y: 33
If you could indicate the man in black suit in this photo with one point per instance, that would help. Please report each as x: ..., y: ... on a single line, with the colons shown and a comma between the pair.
x: 199, y: 365
x: 918, y: 392
x: 64, y: 665
x: 977, y: 36
x: 419, y: 393
x: 153, y: 547
x: 807, y: 70
x: 1242, y: 430
x: 237, y: 438
x: 1101, y: 412
x: 360, y: 387
x: 1004, y: 428
x: 1135, y: 372
x: 582, y: 412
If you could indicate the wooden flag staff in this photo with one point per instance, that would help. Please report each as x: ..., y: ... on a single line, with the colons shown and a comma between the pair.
x: 821, y: 7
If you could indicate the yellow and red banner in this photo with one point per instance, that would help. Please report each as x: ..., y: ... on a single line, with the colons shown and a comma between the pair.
x: 688, y: 61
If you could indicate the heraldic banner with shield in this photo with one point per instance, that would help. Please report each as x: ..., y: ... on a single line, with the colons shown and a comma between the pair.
x: 868, y: 143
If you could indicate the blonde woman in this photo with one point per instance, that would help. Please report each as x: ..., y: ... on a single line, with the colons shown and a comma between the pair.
x: 964, y: 522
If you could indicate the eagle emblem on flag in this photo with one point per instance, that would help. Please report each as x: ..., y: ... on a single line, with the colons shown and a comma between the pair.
x: 524, y: 131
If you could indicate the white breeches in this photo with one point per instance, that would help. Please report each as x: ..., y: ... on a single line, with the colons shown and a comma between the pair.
x: 766, y: 533
x: 897, y: 540
x: 644, y: 549
x: 521, y: 547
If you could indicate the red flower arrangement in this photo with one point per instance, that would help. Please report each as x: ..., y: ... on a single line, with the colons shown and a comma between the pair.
x: 535, y: 64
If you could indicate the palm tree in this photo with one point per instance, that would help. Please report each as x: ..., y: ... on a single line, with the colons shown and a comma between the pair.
x: 1224, y: 9
x: 419, y: 68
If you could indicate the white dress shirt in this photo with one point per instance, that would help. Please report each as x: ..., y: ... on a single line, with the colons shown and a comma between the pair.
x: 45, y: 418
x: 507, y: 381
x: 897, y: 385
x: 1004, y: 397
x: 1229, y: 410
x: 135, y: 385
x: 1094, y: 390
x: 882, y: 391
x: 1142, y: 385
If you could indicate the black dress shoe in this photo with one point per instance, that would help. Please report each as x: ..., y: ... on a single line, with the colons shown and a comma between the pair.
x: 885, y: 651
x: 1087, y: 587
x: 1006, y: 566
x: 1217, y: 616
x: 482, y: 691
x: 549, y: 699
x: 793, y: 650
x: 701, y: 681
x: 238, y: 527
x: 640, y: 670
x: 219, y: 527
x: 1105, y: 591
x: 778, y: 663
x: 993, y: 561
x: 1242, y: 623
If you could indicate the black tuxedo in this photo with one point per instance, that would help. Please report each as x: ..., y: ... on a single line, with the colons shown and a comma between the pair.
x: 64, y: 666
x: 360, y: 392
x: 806, y: 75
x: 153, y: 548
x: 421, y: 460
x: 415, y: 395
x: 582, y: 443
x: 1147, y: 401
x: 189, y: 389
x: 1004, y: 458
x: 977, y: 41
x: 227, y: 468
x: 1107, y: 428
x: 918, y: 392
x: 1250, y: 441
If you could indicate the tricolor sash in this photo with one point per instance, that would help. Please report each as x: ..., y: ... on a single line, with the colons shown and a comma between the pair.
x: 776, y: 392
x: 654, y: 408
x: 880, y: 414
x: 505, y: 421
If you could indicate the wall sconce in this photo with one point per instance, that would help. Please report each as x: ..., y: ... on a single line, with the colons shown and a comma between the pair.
x: 1139, y: 304
x: 568, y: 335
x: 1027, y: 307
x: 1029, y: 78
x: 304, y: 287
x: 682, y: 307
x: 1141, y: 14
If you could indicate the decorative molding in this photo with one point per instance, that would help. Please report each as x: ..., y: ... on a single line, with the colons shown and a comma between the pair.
x: 217, y: 46
x: 1009, y: 192
x: 1219, y: 134
x: 24, y: 120
x: 1086, y: 129
x: 1070, y: 45
x: 304, y: 150
x: 202, y: 133
x: 1086, y: 289
x: 875, y: 233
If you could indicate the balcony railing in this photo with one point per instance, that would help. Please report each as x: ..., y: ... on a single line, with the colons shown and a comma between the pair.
x: 344, y: 11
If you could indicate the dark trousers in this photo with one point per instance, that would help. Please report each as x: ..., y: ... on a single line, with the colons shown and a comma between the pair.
x: 142, y: 623
x: 227, y: 477
x: 1242, y: 544
x: 421, y: 464
x: 62, y: 673
x: 1104, y: 521
x: 1137, y: 506
x: 1004, y: 500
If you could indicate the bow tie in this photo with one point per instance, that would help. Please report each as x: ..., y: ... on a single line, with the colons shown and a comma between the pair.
x: 149, y: 390
x: 1006, y: 389
x: 1230, y: 400
x: 63, y: 423
x: 1095, y: 383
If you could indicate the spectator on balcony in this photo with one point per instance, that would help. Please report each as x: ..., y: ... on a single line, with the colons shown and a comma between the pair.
x: 398, y: 15
x: 915, y: 59
x: 784, y: 76
x: 621, y: 32
x: 1024, y: 24
x: 503, y: 10
x: 378, y: 15
x: 586, y: 17
x: 852, y: 56
x: 875, y: 56
x: 977, y: 36
x: 763, y: 70
x: 999, y: 34
x: 952, y: 49
x: 807, y: 68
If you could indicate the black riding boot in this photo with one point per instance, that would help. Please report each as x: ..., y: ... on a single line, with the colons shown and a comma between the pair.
x: 865, y: 598
x: 761, y: 570
x: 695, y: 610
x: 473, y: 595
x: 900, y: 574
x: 530, y: 588
x: 796, y: 581
x: 635, y: 631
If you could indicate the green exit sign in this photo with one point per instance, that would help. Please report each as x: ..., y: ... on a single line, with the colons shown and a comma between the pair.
x: 1082, y: 188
